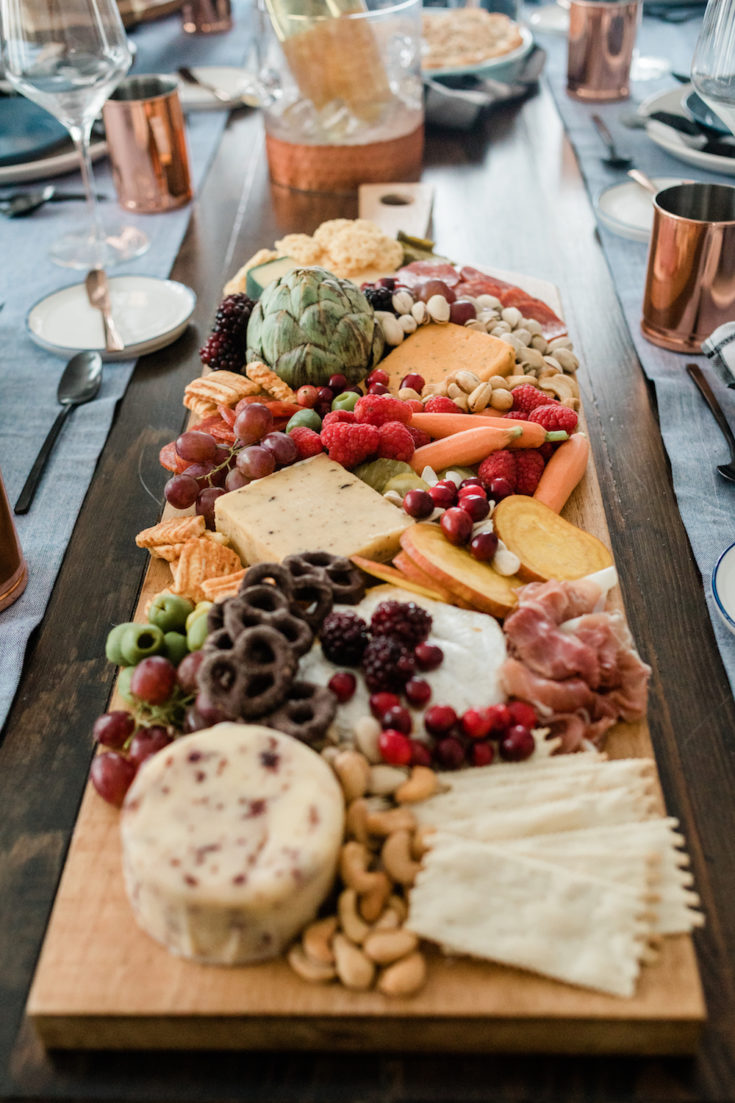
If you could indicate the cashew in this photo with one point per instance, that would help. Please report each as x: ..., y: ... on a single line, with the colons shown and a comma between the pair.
x: 384, y: 947
x: 514, y: 381
x: 560, y: 386
x: 353, y: 867
x: 395, y: 819
x: 356, y: 820
x: 399, y: 906
x: 480, y: 398
x: 353, y: 771
x: 349, y: 920
x: 307, y: 969
x: 406, y: 393
x: 505, y: 561
x: 388, y: 920
x: 404, y: 977
x: 367, y: 733
x: 501, y: 399
x: 354, y: 968
x: 317, y: 940
x: 373, y: 902
x: 419, y: 845
x: 421, y: 785
x: 396, y: 857
x: 385, y: 779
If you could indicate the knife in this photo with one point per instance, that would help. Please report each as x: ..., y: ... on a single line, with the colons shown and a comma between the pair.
x: 98, y: 293
x: 705, y: 139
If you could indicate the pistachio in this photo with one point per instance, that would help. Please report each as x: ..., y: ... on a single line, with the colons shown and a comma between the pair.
x: 476, y: 324
x: 489, y: 302
x: 391, y: 329
x: 500, y: 329
x: 497, y: 381
x: 418, y: 311
x: 538, y: 341
x: 438, y: 309
x: 481, y: 397
x: 531, y: 358
x: 522, y: 335
x: 402, y: 302
x: 467, y: 380
x: 408, y: 323
x: 566, y: 358
x: 511, y: 315
x: 553, y: 363
x: 533, y: 327
x: 501, y: 399
x: 560, y: 343
x: 512, y: 340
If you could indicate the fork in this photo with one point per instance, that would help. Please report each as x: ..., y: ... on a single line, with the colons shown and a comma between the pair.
x: 727, y: 470
x: 190, y: 77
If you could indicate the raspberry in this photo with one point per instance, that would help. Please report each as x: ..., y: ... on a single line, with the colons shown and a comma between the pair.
x: 377, y: 409
x: 498, y: 465
x: 420, y: 437
x: 350, y: 444
x: 338, y: 415
x: 527, y: 398
x: 396, y: 442
x: 414, y: 405
x: 380, y: 665
x: 402, y: 620
x: 554, y: 417
x: 307, y: 441
x: 225, y: 348
x: 344, y: 638
x: 529, y: 466
x: 440, y: 404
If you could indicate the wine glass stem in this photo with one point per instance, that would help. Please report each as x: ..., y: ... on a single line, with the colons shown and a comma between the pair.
x: 81, y: 136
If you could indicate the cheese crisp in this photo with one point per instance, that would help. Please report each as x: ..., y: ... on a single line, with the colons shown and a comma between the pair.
x: 461, y: 37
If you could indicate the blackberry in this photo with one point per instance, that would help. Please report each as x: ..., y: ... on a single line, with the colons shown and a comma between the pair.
x: 344, y: 638
x: 380, y: 298
x: 382, y: 665
x: 226, y: 347
x: 402, y: 620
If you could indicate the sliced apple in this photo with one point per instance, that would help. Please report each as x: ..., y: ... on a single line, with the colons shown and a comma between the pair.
x: 454, y: 568
x: 546, y: 544
x: 397, y: 578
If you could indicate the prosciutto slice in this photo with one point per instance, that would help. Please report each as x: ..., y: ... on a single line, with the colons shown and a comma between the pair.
x: 577, y: 665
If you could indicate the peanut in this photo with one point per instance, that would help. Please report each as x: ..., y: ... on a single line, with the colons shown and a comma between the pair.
x: 404, y: 977
x: 501, y: 399
x: 354, y: 968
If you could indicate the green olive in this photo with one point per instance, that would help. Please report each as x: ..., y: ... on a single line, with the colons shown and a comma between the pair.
x: 309, y: 418
x: 175, y: 647
x: 197, y: 633
x: 138, y: 641
x: 200, y: 608
x: 169, y: 612
x: 113, y: 644
x: 345, y: 401
x: 123, y: 685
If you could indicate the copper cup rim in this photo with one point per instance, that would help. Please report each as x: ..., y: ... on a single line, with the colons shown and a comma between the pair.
x: 602, y: 3
x: 170, y: 82
x: 698, y: 184
x: 395, y: 7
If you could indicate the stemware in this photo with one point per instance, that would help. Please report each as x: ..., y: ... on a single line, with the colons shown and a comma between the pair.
x: 713, y: 64
x: 67, y: 56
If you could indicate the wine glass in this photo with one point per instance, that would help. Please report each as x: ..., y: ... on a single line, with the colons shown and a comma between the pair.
x: 713, y: 64
x: 67, y: 56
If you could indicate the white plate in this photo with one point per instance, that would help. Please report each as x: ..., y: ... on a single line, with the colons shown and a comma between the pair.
x: 674, y: 142
x: 44, y: 167
x: 550, y: 19
x: 723, y: 586
x: 495, y: 67
x: 235, y: 82
x: 627, y: 208
x: 150, y: 313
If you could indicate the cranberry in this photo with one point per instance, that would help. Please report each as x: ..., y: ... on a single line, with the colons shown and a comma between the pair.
x: 420, y: 753
x: 523, y: 713
x: 418, y: 504
x: 378, y: 376
x: 381, y: 702
x: 475, y: 723
x: 481, y: 753
x: 517, y: 744
x: 377, y: 388
x: 483, y: 546
x: 473, y: 484
x: 418, y: 692
x: 343, y: 685
x: 428, y: 656
x: 456, y: 524
x: 461, y: 311
x: 449, y: 753
x: 325, y: 394
x: 337, y: 383
x: 500, y: 488
x: 439, y: 719
x: 415, y: 381
x: 443, y: 496
x: 500, y: 719
x: 147, y: 742
x: 307, y: 396
x: 395, y: 747
x: 323, y: 408
x: 398, y: 717
x: 476, y: 505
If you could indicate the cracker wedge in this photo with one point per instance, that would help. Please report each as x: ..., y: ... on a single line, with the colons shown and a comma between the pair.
x: 200, y: 560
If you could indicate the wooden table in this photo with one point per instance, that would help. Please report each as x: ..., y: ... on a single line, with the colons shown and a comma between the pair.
x: 507, y: 195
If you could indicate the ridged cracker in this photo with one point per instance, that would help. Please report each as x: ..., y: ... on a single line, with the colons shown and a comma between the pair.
x: 215, y: 589
x: 269, y: 382
x: 200, y: 560
x: 225, y: 388
x: 172, y: 531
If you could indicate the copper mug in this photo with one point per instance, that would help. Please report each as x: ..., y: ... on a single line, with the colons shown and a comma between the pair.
x: 146, y: 141
x: 602, y: 35
x: 690, y: 282
x: 13, y: 570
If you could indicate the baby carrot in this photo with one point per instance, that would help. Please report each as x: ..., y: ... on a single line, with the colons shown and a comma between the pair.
x: 468, y: 447
x: 563, y: 471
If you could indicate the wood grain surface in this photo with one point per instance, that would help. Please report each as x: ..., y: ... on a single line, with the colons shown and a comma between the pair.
x: 509, y: 194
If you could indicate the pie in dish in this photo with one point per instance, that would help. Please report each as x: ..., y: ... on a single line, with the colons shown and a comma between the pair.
x: 460, y: 37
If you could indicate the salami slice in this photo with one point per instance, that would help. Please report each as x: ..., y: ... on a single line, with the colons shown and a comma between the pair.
x: 418, y: 270
x: 217, y: 428
x: 169, y: 458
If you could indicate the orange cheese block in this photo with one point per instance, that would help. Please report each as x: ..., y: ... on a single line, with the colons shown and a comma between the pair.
x: 435, y: 351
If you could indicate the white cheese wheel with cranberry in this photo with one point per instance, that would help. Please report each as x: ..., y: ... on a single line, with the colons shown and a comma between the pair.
x: 230, y: 841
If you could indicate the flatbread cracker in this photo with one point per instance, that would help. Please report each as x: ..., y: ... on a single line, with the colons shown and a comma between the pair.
x: 200, y: 560
x: 216, y: 589
x: 174, y: 530
x: 224, y: 388
x: 476, y: 899
x: 269, y: 382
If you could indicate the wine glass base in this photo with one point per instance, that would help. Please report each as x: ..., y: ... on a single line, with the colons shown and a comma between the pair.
x: 81, y: 250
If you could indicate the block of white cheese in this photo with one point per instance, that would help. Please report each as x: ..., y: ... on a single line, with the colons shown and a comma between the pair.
x: 310, y: 506
x: 230, y: 841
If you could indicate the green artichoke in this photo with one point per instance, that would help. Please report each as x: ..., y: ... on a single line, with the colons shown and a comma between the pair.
x: 310, y: 324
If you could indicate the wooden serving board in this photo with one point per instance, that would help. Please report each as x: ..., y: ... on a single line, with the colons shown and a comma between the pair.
x: 102, y: 983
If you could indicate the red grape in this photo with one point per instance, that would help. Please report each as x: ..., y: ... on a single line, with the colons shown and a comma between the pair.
x: 112, y: 775
x: 425, y: 289
x: 415, y: 381
x: 474, y: 482
x: 461, y: 311
x: 475, y: 723
x: 196, y: 446
x: 484, y: 546
x: 381, y: 702
x: 282, y: 447
x: 153, y: 680
x: 325, y: 394
x: 418, y: 504
x: 420, y: 753
x: 255, y: 462
x: 377, y: 388
x: 200, y: 472
x: 517, y: 744
x: 500, y: 488
x: 253, y: 422
x: 146, y: 742
x: 428, y: 656
x: 181, y: 491
x: 481, y: 753
x: 523, y: 713
x: 186, y: 671
x: 209, y: 713
x: 500, y: 719
x: 456, y: 524
x: 113, y: 729
x: 235, y: 479
x: 205, y: 504
x: 385, y: 281
x: 337, y: 383
x: 378, y: 376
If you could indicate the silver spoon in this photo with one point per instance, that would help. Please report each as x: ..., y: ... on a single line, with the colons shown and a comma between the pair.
x: 615, y: 159
x: 20, y: 204
x: 79, y: 383
x: 98, y: 293
x: 643, y: 180
x: 727, y: 470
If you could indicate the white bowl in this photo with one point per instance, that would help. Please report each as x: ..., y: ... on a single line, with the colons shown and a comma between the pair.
x: 723, y: 586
